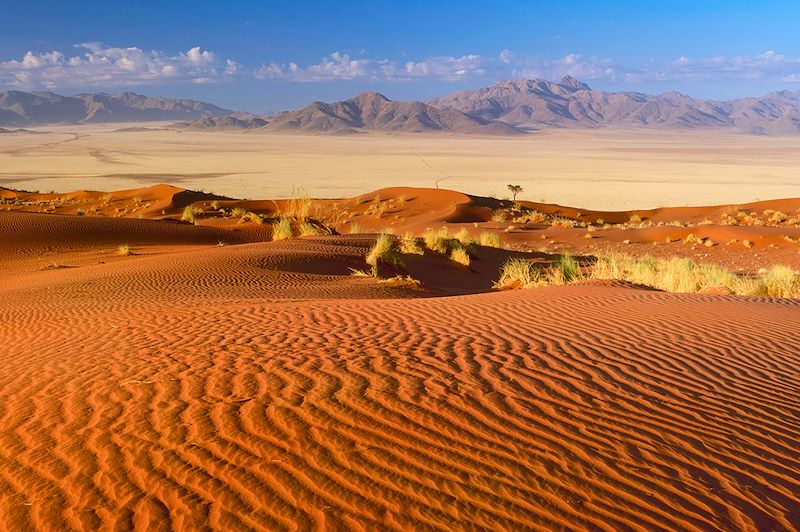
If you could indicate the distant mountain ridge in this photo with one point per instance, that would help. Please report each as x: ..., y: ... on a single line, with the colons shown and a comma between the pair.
x: 508, y: 107
x: 368, y: 111
x: 39, y: 108
x: 537, y: 104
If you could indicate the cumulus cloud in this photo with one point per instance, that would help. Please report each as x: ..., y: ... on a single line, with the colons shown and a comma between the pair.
x: 341, y: 66
x: 96, y: 65
x: 105, y: 66
x: 768, y: 65
x: 507, y: 64
x: 575, y: 65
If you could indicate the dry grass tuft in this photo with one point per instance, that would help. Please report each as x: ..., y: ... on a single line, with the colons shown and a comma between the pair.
x: 282, y: 229
x: 298, y: 206
x: 400, y: 281
x: 309, y: 229
x: 684, y: 275
x: 779, y: 281
x: 188, y: 214
x: 355, y: 228
x: 409, y: 245
x: 382, y: 251
x: 491, y: 240
x: 519, y: 273
x: 437, y: 241
x: 252, y: 217
x: 460, y: 255
x: 123, y: 250
x: 565, y: 270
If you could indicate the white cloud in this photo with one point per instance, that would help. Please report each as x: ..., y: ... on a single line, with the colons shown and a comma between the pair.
x: 507, y: 64
x: 340, y: 66
x: 585, y: 69
x: 768, y: 65
x: 96, y: 65
x: 103, y: 66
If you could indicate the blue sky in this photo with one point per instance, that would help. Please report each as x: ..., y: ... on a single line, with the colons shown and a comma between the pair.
x: 263, y: 56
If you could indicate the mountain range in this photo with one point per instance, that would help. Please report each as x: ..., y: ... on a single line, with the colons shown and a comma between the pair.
x: 536, y: 104
x: 40, y: 108
x: 506, y: 108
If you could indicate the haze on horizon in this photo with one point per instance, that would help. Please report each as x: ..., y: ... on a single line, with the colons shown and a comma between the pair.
x: 255, y: 57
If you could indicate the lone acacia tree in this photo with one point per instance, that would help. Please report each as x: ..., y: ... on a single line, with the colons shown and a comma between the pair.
x: 515, y: 189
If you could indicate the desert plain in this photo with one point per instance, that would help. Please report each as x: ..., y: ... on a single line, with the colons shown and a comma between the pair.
x: 187, y: 343
x: 611, y: 169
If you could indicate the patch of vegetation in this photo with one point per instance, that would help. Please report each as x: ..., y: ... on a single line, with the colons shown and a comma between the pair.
x: 382, y: 251
x: 356, y: 228
x: 460, y: 255
x: 487, y: 239
x: 298, y: 206
x: 409, y: 245
x: 400, y: 281
x: 282, y: 229
x: 309, y: 229
x: 188, y: 214
x: 437, y: 241
x: 779, y: 281
x: 519, y: 273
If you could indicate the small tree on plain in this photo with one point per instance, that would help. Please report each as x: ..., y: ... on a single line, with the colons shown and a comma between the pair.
x: 515, y: 189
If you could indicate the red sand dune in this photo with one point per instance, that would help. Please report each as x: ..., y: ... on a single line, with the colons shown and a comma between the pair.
x: 261, y: 386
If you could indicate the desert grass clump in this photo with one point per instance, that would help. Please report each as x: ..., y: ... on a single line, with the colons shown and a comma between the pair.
x: 377, y: 208
x: 252, y: 217
x: 672, y: 275
x: 691, y: 238
x: 499, y: 216
x: 309, y: 229
x: 188, y: 214
x: 238, y: 212
x: 80, y: 211
x: 713, y: 276
x: 399, y: 281
x: 298, y: 206
x: 529, y: 216
x: 519, y: 273
x: 565, y: 270
x: 282, y: 229
x: 566, y: 223
x: 409, y: 245
x: 437, y: 241
x: 679, y: 275
x: 490, y: 240
x: 355, y: 228
x: 124, y: 250
x: 460, y: 255
x: 779, y: 281
x: 382, y: 251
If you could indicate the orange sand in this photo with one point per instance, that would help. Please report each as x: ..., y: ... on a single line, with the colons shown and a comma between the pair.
x: 259, y: 385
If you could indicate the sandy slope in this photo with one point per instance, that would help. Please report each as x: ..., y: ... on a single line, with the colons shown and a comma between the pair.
x: 260, y: 386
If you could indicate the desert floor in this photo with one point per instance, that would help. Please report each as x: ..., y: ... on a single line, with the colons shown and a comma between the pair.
x: 215, y: 379
x: 603, y: 169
